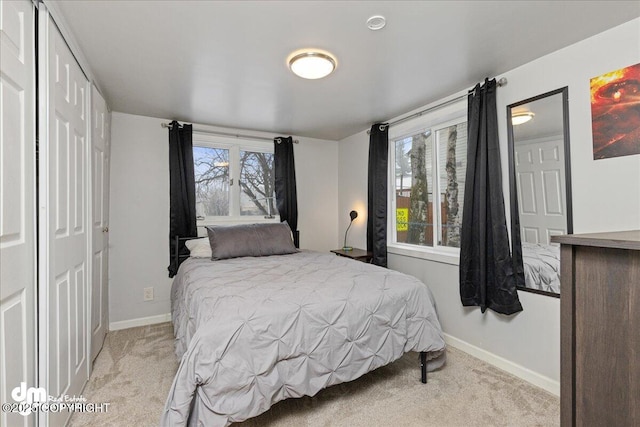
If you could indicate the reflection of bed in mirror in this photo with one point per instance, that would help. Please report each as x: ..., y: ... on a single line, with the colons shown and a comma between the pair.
x: 541, y: 266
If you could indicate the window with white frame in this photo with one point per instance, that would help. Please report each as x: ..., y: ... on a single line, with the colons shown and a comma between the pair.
x: 428, y: 186
x: 234, y: 179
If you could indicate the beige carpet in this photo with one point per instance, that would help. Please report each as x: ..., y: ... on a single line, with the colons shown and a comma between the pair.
x: 136, y: 367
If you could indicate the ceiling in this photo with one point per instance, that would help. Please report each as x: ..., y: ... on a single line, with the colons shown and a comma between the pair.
x: 547, y: 122
x: 224, y: 63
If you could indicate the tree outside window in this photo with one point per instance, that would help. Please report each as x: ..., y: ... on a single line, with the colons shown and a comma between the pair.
x: 232, y: 181
x: 427, y: 160
x: 211, y: 168
x: 257, y: 182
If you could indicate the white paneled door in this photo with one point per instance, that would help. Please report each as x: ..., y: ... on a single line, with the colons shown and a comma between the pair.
x: 100, y: 137
x: 64, y: 223
x: 541, y: 189
x: 17, y: 205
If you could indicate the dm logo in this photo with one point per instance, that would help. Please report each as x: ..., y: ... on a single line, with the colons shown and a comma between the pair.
x: 30, y: 395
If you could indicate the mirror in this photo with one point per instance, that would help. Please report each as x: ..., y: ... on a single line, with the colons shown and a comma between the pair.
x: 540, y: 186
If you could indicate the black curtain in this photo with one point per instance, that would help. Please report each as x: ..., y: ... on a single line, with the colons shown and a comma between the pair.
x: 486, y: 269
x: 182, y: 211
x: 377, y: 193
x: 285, y: 183
x: 516, y: 240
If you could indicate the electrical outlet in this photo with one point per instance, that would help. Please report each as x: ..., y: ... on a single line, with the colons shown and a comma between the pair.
x: 148, y: 294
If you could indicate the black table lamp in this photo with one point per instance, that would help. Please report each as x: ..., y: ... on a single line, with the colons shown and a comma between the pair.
x: 353, y: 215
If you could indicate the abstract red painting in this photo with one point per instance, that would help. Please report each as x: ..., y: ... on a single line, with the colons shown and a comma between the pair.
x: 615, y: 113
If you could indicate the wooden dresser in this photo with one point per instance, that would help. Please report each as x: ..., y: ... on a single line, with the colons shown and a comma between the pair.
x: 600, y: 329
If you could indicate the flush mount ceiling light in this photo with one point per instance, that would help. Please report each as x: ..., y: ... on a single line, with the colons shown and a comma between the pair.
x: 520, y: 118
x: 376, y: 22
x: 312, y: 63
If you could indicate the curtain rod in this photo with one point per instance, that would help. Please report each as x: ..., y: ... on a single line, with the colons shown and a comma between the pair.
x: 501, y: 82
x: 234, y: 135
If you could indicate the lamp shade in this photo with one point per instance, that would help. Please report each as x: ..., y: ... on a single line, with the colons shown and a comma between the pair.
x: 353, y: 215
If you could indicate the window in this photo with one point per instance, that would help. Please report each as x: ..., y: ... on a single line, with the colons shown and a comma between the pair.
x: 211, y: 169
x: 234, y: 179
x: 428, y: 186
x: 257, y: 182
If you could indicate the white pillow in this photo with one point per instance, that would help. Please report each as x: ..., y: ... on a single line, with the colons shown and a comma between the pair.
x: 199, y: 248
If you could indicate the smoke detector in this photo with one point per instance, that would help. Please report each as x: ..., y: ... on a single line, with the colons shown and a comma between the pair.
x: 376, y: 22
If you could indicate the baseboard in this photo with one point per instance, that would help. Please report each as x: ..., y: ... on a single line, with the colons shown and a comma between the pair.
x: 141, y: 321
x: 526, y: 374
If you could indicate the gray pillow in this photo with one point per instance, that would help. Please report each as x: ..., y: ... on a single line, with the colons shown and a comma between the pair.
x: 250, y: 240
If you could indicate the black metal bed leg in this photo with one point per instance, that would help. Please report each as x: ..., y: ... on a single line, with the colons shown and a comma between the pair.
x: 423, y: 366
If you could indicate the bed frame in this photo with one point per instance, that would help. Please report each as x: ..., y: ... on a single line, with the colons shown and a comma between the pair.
x: 179, y: 258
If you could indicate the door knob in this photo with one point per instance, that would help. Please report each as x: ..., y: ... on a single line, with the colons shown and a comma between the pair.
x: 105, y: 230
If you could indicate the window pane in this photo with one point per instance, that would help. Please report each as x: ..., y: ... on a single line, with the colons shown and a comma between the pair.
x: 211, y: 170
x: 414, y: 189
x: 452, y: 168
x: 257, y: 184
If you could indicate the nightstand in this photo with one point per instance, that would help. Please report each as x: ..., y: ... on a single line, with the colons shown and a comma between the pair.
x: 355, y: 253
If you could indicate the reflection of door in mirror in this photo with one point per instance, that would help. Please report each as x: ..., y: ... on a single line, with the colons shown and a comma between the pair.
x: 539, y: 165
x: 538, y: 149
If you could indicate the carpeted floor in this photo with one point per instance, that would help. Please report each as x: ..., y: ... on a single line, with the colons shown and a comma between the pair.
x: 135, y: 370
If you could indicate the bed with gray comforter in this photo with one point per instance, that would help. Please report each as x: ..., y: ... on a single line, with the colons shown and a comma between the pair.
x: 253, y: 331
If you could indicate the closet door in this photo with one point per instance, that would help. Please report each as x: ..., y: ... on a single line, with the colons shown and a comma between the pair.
x: 17, y: 204
x: 100, y: 136
x: 64, y: 224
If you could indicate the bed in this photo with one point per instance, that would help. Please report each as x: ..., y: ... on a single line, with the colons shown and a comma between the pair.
x: 251, y: 331
x: 541, y: 267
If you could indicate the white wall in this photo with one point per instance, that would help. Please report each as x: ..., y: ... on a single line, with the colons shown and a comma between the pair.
x: 139, y: 213
x: 352, y: 177
x: 606, y: 197
x: 600, y: 202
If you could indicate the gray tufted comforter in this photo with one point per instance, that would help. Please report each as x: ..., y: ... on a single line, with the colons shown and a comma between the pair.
x: 541, y: 266
x: 254, y: 331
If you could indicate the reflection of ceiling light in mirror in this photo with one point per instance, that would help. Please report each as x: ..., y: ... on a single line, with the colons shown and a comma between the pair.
x: 312, y: 63
x: 520, y: 118
x: 221, y: 164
